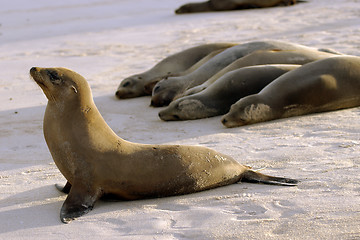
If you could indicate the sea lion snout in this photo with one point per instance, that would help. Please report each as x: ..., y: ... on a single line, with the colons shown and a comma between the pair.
x: 35, y: 74
x: 34, y: 69
x: 118, y: 94
x: 163, y: 115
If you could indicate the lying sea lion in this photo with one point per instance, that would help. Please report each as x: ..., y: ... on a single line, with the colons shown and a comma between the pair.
x: 226, y: 5
x: 150, y: 85
x: 300, y: 57
x: 96, y: 162
x: 325, y: 85
x: 173, y: 65
x: 217, y: 99
x: 166, y: 90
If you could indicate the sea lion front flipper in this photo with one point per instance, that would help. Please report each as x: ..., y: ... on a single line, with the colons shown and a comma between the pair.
x: 64, y: 189
x: 81, y: 200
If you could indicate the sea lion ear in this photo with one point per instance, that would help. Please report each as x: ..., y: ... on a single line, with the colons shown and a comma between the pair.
x: 74, y: 89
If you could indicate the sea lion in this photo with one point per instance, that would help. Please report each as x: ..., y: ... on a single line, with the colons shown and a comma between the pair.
x: 325, y: 85
x: 217, y: 99
x: 173, y: 65
x: 166, y: 90
x: 96, y: 162
x: 300, y: 57
x: 150, y: 85
x: 226, y: 5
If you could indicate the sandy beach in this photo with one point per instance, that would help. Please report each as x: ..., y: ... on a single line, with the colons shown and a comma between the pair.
x: 106, y: 41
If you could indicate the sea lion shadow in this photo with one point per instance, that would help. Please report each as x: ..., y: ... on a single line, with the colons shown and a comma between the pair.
x: 169, y: 204
x: 117, y: 213
x: 41, y: 209
x: 24, y: 144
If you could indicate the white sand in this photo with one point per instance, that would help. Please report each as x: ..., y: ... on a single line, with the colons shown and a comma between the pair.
x: 106, y: 41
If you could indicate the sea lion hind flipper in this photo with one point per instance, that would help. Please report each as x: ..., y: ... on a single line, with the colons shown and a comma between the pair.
x: 79, y: 202
x: 64, y: 189
x: 256, y: 177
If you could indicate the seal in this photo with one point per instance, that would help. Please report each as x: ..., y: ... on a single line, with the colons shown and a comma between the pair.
x: 324, y: 85
x: 217, y: 99
x: 96, y: 162
x: 300, y: 57
x: 166, y: 90
x: 226, y: 5
x: 150, y: 85
x: 173, y: 65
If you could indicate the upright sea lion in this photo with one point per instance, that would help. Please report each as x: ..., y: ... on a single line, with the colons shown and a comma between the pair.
x: 166, y: 90
x: 217, y: 99
x: 325, y: 85
x: 173, y: 65
x: 226, y: 5
x: 96, y: 162
x: 300, y: 57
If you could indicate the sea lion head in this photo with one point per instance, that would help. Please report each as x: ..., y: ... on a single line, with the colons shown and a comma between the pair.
x: 186, y: 109
x: 194, y: 7
x: 187, y: 8
x: 149, y: 86
x: 61, y: 85
x: 131, y: 87
x: 165, y: 91
x: 248, y: 110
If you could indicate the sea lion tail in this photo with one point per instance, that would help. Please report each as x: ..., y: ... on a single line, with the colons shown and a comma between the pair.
x: 256, y: 177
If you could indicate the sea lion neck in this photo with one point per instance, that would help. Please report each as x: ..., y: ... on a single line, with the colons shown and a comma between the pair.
x: 79, y: 118
x: 72, y: 108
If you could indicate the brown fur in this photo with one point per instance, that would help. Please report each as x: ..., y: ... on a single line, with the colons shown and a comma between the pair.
x: 238, y: 56
x: 176, y: 64
x: 96, y: 162
x: 217, y: 99
x: 325, y: 85
x: 300, y: 57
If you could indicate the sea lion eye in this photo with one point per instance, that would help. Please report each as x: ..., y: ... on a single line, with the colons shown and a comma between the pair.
x: 54, y: 77
x: 156, y: 88
x: 126, y: 84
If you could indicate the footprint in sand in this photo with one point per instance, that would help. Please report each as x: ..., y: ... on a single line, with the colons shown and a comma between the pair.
x: 286, y: 208
x: 248, y: 211
x: 172, y: 207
